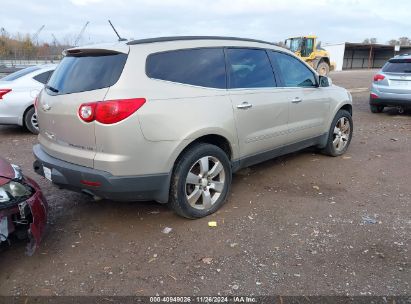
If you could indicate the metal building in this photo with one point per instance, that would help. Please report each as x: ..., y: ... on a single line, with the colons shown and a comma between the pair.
x: 349, y: 55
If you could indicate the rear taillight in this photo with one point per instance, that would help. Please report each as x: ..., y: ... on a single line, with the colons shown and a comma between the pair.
x: 379, y: 77
x: 4, y: 92
x: 110, y: 111
x: 373, y: 96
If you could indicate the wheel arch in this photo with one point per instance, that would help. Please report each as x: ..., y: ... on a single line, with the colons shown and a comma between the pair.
x: 347, y: 107
x: 316, y: 62
x: 214, y: 138
x: 326, y: 60
x: 23, y: 120
x: 344, y: 105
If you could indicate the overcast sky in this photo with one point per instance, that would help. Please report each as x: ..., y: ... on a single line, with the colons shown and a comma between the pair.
x: 272, y: 20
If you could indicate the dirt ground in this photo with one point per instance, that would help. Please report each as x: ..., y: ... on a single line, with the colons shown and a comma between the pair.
x: 303, y: 224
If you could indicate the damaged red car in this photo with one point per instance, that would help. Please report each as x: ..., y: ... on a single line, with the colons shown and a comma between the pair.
x: 23, y: 208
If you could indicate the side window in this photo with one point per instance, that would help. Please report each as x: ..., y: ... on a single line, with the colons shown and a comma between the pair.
x: 43, y: 77
x: 249, y: 68
x: 201, y: 67
x: 293, y: 71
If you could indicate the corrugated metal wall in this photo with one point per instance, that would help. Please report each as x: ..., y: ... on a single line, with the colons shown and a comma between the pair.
x: 361, y: 57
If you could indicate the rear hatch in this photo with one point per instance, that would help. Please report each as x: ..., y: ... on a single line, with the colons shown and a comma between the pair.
x: 398, y: 76
x: 84, y: 75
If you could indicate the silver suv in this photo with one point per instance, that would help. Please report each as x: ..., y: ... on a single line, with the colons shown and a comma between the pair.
x: 392, y: 85
x: 170, y: 119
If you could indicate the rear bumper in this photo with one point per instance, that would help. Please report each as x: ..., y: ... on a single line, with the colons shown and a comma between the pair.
x: 386, y: 102
x: 390, y: 99
x: 117, y: 188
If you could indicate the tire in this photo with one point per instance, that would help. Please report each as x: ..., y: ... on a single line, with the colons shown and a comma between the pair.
x: 30, y: 121
x: 192, y: 195
x: 337, y: 143
x: 376, y: 109
x: 323, y: 68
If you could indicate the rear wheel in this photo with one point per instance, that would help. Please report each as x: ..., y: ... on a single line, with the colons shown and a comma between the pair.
x: 30, y: 121
x: 339, y: 136
x: 376, y: 109
x: 323, y: 68
x: 201, y: 181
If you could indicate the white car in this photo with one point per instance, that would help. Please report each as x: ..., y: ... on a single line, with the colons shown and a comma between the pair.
x: 18, y: 92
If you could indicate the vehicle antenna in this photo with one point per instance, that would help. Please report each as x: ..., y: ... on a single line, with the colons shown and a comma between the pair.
x: 119, y: 37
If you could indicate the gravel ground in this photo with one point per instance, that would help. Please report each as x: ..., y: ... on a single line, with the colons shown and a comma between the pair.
x: 303, y: 224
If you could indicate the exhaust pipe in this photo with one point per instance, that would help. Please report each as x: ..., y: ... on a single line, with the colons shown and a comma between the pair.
x: 91, y: 194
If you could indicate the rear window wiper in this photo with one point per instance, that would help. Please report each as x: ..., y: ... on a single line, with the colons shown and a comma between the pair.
x: 51, y: 88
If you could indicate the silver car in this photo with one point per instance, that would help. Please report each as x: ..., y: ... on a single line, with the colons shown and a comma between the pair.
x: 392, y: 85
x: 170, y: 119
x: 18, y: 92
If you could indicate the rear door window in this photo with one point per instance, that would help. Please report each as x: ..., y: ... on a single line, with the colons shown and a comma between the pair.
x: 249, y: 68
x: 397, y: 66
x: 294, y: 73
x: 86, y: 73
x: 203, y: 67
x: 43, y: 77
x: 19, y: 74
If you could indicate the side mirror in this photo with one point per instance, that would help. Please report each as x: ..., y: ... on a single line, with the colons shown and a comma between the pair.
x: 325, y: 81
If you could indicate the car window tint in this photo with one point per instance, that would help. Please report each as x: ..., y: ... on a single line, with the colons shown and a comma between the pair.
x: 43, y: 77
x: 397, y: 66
x: 201, y: 67
x: 21, y: 73
x: 293, y: 71
x: 249, y: 68
x: 87, y: 72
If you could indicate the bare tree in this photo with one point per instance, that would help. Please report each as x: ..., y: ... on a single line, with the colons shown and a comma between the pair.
x: 393, y: 42
x: 370, y: 41
x: 404, y: 41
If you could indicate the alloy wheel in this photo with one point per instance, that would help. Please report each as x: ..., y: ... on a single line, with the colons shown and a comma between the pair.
x: 34, y: 121
x: 341, y: 134
x: 205, y: 182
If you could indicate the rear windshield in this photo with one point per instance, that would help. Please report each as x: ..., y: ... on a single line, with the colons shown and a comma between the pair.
x: 85, y: 73
x: 21, y: 73
x: 398, y: 66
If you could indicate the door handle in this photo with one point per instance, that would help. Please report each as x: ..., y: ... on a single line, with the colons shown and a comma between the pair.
x: 244, y: 106
x: 296, y: 100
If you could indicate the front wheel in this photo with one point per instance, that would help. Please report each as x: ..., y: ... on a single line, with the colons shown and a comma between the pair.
x: 339, y: 136
x: 30, y: 121
x: 201, y: 181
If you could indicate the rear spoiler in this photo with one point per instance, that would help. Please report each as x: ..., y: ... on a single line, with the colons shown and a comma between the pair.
x: 101, y: 49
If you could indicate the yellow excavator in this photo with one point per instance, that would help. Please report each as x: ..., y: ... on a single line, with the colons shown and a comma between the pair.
x: 307, y: 49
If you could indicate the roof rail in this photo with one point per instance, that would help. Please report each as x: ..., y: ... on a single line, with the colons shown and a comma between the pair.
x: 180, y: 38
